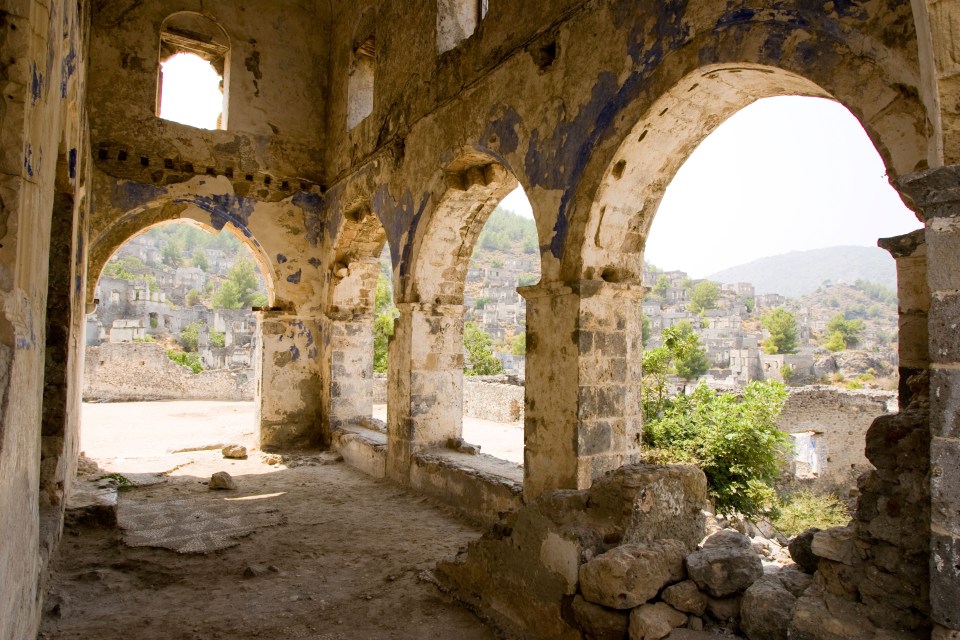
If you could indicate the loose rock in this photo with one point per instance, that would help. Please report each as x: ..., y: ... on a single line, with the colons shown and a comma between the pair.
x: 766, y: 609
x: 234, y: 451
x: 221, y: 480
x: 685, y: 596
x: 801, y: 552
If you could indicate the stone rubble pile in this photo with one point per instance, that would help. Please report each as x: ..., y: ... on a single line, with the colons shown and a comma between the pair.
x: 649, y: 591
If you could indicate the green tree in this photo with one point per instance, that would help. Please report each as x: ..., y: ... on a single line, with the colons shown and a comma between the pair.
x: 689, y: 358
x: 479, y: 347
x: 518, y: 345
x: 240, y: 289
x: 217, y: 339
x: 660, y: 288
x: 843, y: 333
x: 783, y: 332
x: 171, y: 253
x: 704, y: 296
x: 191, y: 360
x: 384, y: 314
x: 199, y: 259
x: 190, y: 336
x: 735, y: 441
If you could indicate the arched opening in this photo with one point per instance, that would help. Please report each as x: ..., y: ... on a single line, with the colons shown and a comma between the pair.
x: 192, y: 87
x: 427, y: 354
x: 175, y: 328
x: 359, y: 295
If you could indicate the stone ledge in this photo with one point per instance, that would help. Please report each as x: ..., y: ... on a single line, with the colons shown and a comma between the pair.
x: 362, y: 448
x: 481, y: 487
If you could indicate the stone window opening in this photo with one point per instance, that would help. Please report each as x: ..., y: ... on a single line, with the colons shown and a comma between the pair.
x: 193, y: 72
x: 360, y: 84
x: 457, y: 20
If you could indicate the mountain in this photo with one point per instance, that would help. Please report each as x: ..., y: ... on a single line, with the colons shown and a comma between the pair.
x: 800, y: 272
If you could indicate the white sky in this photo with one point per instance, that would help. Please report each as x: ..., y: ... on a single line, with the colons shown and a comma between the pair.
x: 191, y: 92
x: 784, y: 174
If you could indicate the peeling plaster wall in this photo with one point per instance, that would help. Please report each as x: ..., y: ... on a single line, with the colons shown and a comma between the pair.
x: 42, y: 48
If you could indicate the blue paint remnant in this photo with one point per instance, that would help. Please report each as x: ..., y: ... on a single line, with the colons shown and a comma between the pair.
x: 313, y: 353
x: 36, y: 82
x: 68, y: 68
x: 739, y: 16
x: 314, y: 262
x: 281, y: 259
x: 224, y: 208
x: 401, y: 216
x: 312, y: 206
x: 309, y: 338
x: 78, y: 285
x: 28, y: 160
x: 502, y: 132
x: 294, y: 278
x: 294, y: 353
x: 131, y: 195
x: 73, y: 163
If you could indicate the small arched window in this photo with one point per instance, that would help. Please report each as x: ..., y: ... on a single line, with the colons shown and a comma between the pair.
x: 457, y: 20
x: 194, y: 70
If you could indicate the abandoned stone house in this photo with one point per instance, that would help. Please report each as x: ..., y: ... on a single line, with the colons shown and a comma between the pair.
x: 350, y: 125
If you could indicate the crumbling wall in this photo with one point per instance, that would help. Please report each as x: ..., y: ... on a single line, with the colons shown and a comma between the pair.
x: 138, y: 372
x: 839, y: 419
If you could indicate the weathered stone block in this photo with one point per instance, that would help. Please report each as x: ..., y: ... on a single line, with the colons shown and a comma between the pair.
x: 945, y: 403
x: 943, y: 326
x: 766, y: 609
x: 835, y: 544
x: 600, y: 623
x: 654, y: 621
x: 945, y: 579
x: 945, y: 483
x: 723, y: 566
x: 685, y: 596
x: 631, y: 574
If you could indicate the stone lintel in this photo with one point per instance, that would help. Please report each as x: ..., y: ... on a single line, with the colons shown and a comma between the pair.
x: 904, y: 246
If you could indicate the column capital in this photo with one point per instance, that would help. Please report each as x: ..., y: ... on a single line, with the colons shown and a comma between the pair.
x: 584, y: 289
x: 934, y: 192
x: 905, y: 246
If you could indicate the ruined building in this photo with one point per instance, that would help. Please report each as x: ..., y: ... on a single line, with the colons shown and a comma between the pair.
x: 348, y: 125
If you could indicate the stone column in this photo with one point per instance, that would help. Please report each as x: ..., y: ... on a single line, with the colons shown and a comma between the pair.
x: 913, y: 305
x: 351, y: 368
x: 289, y: 394
x: 425, y: 386
x: 936, y: 193
x: 582, y: 408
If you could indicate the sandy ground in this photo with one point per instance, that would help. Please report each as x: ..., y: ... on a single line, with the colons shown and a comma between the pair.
x: 309, y: 548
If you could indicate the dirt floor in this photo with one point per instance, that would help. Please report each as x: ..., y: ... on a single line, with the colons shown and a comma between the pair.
x: 307, y: 548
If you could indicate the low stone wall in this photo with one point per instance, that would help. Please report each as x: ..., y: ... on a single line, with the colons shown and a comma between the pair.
x: 138, y: 372
x: 830, y: 427
x: 494, y: 398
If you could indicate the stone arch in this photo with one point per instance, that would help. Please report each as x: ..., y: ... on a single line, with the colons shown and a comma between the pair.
x: 195, y: 210
x: 474, y: 185
x: 350, y: 318
x: 711, y: 77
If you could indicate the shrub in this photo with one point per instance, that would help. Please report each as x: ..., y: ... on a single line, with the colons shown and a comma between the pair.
x: 735, y: 441
x: 191, y: 360
x: 804, y: 509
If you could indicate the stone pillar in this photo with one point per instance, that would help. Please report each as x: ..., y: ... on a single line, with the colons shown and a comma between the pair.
x: 289, y: 394
x: 351, y: 369
x: 425, y: 385
x: 582, y: 408
x: 936, y: 193
x: 913, y: 304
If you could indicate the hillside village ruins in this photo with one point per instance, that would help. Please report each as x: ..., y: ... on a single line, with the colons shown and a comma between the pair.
x: 350, y: 126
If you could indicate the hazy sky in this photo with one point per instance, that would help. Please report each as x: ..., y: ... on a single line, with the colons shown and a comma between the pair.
x: 784, y: 174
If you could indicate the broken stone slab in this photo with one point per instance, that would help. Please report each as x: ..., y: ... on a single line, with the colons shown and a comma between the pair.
x: 725, y: 565
x: 91, y: 505
x: 685, y: 596
x: 654, y: 621
x: 600, y: 623
x: 631, y: 574
x: 766, y: 609
x: 234, y: 452
x: 221, y: 481
x: 835, y: 544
